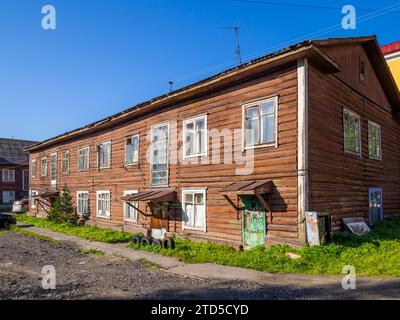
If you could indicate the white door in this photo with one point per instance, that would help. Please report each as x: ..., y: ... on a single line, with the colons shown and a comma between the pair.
x: 8, y: 197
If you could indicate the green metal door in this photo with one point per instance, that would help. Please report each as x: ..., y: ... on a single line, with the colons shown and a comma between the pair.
x: 253, y: 222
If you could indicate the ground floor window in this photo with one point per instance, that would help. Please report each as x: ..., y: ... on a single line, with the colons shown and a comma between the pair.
x: 130, y: 213
x: 8, y: 197
x: 82, y: 203
x: 103, y: 204
x: 194, y: 209
x: 375, y: 205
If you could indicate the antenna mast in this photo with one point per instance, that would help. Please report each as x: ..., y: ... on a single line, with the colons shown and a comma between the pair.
x: 236, y: 29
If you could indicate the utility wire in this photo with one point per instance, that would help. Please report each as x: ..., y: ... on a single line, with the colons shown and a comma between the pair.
x: 383, y: 11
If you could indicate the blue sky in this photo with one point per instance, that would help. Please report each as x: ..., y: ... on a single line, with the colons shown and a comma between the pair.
x: 106, y: 56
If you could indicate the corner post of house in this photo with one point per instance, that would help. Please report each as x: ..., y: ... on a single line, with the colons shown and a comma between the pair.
x: 302, y: 146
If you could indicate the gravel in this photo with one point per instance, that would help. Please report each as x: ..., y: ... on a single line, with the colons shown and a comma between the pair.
x: 81, y: 275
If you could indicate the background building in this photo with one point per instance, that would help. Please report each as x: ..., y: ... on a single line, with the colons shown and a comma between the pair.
x: 392, y: 55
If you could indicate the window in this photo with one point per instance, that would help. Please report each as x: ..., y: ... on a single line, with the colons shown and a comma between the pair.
x: 375, y: 205
x: 53, y: 168
x: 33, y: 168
x: 8, y: 197
x: 362, y: 71
x: 8, y: 175
x: 352, y: 133
x: 25, y: 180
x: 159, y: 154
x: 104, y: 154
x: 374, y: 141
x: 65, y: 162
x: 103, y: 204
x: 33, y: 193
x: 43, y: 167
x: 194, y: 209
x: 83, y: 159
x: 130, y: 213
x: 132, y: 150
x: 195, y: 136
x: 82, y: 200
x: 260, y: 128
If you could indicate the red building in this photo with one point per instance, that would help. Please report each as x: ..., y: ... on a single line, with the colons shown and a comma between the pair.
x: 14, y: 169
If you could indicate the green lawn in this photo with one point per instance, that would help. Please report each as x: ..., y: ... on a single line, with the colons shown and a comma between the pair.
x: 375, y: 254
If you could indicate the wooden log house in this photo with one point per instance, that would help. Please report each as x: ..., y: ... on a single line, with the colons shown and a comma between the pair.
x: 319, y: 119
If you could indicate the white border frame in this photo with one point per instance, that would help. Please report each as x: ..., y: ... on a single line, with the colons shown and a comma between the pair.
x: 161, y: 124
x: 353, y: 114
x: 193, y: 119
x: 41, y: 167
x: 31, y: 173
x: 195, y: 190
x: 127, y: 164
x: 77, y: 202
x: 69, y: 162
x: 53, y: 182
x: 88, y: 162
x: 2, y: 175
x: 374, y: 124
x: 2, y: 195
x: 97, y: 204
x: 126, y: 193
x: 256, y: 103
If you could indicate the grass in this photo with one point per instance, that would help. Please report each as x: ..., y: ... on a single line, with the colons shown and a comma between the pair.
x: 92, y: 251
x: 375, y: 254
x: 32, y: 234
x: 87, y: 232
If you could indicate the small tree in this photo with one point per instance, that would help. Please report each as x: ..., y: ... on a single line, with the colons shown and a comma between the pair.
x: 62, y: 210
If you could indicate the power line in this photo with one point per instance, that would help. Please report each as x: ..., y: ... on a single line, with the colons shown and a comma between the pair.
x: 383, y: 11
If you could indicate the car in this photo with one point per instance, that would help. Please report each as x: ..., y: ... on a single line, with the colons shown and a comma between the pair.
x: 7, y: 219
x: 20, y: 206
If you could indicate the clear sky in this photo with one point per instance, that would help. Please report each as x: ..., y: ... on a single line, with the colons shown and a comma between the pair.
x: 106, y: 56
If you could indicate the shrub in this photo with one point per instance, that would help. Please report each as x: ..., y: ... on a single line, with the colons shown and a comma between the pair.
x: 62, y: 210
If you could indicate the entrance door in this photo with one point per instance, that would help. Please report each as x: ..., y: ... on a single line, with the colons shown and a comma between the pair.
x: 253, y: 222
x: 159, y: 223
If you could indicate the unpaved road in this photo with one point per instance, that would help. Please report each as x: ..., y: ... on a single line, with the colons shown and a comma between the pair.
x: 82, y: 275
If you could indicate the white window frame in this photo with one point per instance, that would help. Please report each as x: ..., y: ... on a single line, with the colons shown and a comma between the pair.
x: 33, y: 193
x: 53, y: 181
x: 355, y: 115
x: 194, y: 190
x: 9, y: 192
x: 79, y: 192
x: 98, y: 192
x: 33, y: 172
x: 98, y: 155
x: 127, y: 164
x: 374, y: 124
x: 128, y: 193
x: 196, y: 146
x: 65, y: 153
x: 44, y: 159
x: 88, y: 158
x: 8, y: 175
x: 168, y: 124
x: 253, y: 104
x: 25, y: 186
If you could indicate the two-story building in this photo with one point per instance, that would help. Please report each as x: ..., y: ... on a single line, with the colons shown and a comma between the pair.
x: 241, y: 156
x: 14, y: 170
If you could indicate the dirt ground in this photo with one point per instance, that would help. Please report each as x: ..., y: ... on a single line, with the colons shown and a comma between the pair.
x: 83, y: 275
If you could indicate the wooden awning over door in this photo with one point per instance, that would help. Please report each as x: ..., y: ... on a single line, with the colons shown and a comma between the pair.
x: 152, y: 195
x: 248, y: 187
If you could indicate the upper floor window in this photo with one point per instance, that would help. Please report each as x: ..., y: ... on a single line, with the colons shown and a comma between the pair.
x: 195, y: 136
x: 8, y: 175
x: 260, y: 119
x: 53, y: 164
x: 33, y: 168
x: 65, y: 162
x: 352, y: 132
x: 104, y: 154
x: 43, y: 167
x: 132, y: 149
x: 25, y: 180
x: 159, y: 154
x: 362, y: 71
x: 374, y: 140
x: 83, y: 159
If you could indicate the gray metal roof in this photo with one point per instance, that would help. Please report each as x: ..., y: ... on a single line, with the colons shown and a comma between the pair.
x: 12, y: 151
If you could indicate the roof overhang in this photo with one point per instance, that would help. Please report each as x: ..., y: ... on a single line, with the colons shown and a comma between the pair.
x: 250, y: 187
x: 229, y: 77
x: 152, y: 195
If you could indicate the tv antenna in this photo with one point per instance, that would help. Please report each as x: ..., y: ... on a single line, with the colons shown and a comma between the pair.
x: 171, y: 83
x: 236, y: 28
